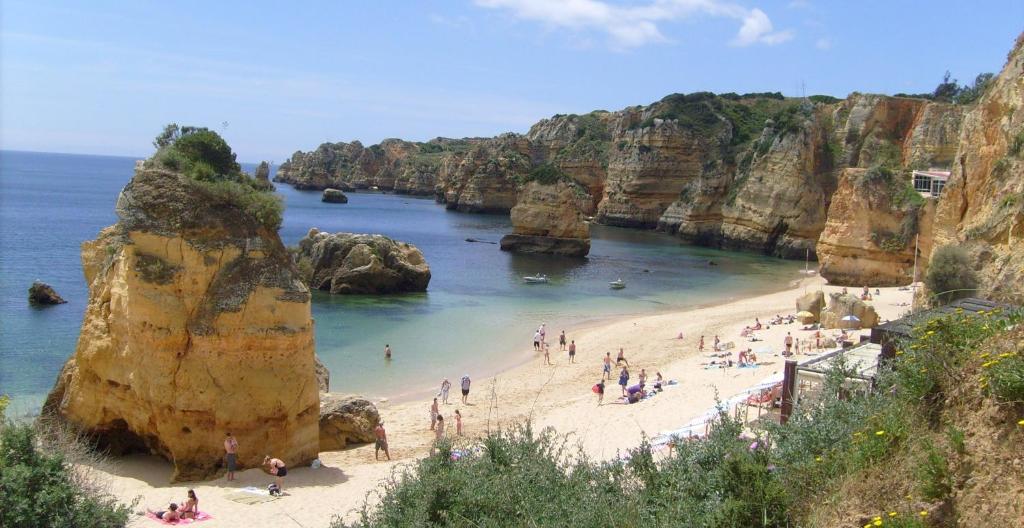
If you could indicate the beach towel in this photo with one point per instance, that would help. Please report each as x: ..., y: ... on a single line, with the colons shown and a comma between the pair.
x: 201, y: 516
x: 251, y: 495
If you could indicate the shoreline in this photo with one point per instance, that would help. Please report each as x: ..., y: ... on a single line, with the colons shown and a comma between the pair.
x: 556, y: 396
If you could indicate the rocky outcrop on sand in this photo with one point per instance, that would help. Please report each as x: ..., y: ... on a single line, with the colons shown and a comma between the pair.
x: 346, y: 420
x: 367, y: 264
x: 546, y: 220
x: 811, y: 302
x: 42, y: 294
x: 197, y: 324
x: 334, y: 196
x: 982, y: 206
x: 841, y: 305
x: 874, y: 224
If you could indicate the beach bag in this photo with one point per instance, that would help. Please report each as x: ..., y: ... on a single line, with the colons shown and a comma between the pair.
x: 596, y: 389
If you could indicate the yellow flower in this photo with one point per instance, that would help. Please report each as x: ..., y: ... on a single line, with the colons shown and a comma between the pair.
x: 1020, y: 423
x: 931, y: 332
x: 868, y: 525
x: 892, y: 514
x: 1007, y: 354
x: 879, y: 433
x: 878, y: 522
x: 924, y: 513
x: 899, y: 352
x: 983, y: 355
x: 817, y: 459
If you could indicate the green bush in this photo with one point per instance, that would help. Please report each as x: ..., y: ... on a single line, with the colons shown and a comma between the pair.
x: 824, y: 99
x: 38, y: 488
x: 949, y: 275
x: 1017, y: 144
x: 266, y: 207
x: 933, y: 477
x: 546, y: 173
x: 202, y: 145
x: 1005, y: 377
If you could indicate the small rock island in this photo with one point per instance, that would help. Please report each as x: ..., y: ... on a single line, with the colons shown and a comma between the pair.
x: 361, y: 264
x: 42, y: 294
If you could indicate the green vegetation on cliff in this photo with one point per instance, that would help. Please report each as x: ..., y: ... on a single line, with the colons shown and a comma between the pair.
x: 207, y: 160
x: 891, y: 455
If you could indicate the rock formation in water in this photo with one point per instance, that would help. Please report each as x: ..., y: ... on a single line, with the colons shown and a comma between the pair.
x: 546, y: 220
x: 334, y: 196
x: 197, y: 324
x: 367, y: 264
x: 982, y: 206
x: 346, y: 420
x: 873, y: 226
x: 42, y: 294
x: 262, y: 176
x: 843, y: 305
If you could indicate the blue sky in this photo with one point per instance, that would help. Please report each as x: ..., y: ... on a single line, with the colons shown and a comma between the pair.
x: 102, y: 77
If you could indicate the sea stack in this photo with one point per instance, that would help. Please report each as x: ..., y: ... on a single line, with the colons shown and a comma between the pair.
x: 546, y: 219
x: 197, y: 325
x: 334, y: 196
x: 42, y: 294
x: 367, y: 264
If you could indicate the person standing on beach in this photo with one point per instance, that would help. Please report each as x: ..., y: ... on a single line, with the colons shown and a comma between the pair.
x: 458, y: 422
x: 606, y: 372
x: 547, y: 354
x: 561, y: 340
x: 438, y: 434
x: 796, y: 346
x: 642, y: 377
x: 624, y: 379
x: 278, y: 469
x: 543, y: 332
x: 231, y: 455
x: 465, y: 388
x: 700, y: 346
x: 387, y: 351
x: 572, y: 352
x: 536, y: 341
x: 621, y: 358
x: 789, y: 343
x: 381, y: 441
x: 717, y: 343
x: 599, y: 389
x: 445, y: 387
x: 433, y: 414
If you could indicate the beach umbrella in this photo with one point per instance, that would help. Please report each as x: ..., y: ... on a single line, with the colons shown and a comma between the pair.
x: 851, y: 320
x: 805, y: 317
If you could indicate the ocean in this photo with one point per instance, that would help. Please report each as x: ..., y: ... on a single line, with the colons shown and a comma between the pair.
x: 477, y: 317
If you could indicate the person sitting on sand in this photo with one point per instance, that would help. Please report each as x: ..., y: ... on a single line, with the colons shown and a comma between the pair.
x: 169, y: 515
x: 635, y: 393
x: 623, y: 379
x: 381, y: 441
x: 757, y: 324
x: 621, y: 358
x: 191, y: 507
x: 751, y: 358
x: 278, y: 469
x: 741, y: 358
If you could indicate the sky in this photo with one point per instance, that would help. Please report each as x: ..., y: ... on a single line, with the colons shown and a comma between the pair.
x: 103, y: 77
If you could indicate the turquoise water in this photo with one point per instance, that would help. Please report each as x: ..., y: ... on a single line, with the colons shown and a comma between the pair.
x: 477, y: 316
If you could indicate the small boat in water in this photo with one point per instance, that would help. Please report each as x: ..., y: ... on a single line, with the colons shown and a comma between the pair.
x: 617, y: 284
x: 536, y: 279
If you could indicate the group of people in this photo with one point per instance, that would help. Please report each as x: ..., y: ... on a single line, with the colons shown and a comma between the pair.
x: 188, y: 510
x: 631, y: 394
x: 540, y: 344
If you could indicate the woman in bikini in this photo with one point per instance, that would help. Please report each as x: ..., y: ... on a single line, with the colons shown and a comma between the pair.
x: 191, y: 507
x: 278, y: 469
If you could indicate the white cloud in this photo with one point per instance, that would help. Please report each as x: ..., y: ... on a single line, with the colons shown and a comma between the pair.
x: 823, y: 44
x: 637, y: 24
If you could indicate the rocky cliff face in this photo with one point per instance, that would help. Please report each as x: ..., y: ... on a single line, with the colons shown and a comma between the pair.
x: 197, y: 325
x: 369, y: 264
x: 547, y: 220
x: 982, y: 206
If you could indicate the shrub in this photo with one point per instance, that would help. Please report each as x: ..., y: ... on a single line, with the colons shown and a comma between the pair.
x: 266, y: 207
x: 1017, y: 144
x: 546, y: 173
x: 202, y: 145
x: 1005, y: 377
x: 933, y: 477
x: 949, y: 275
x: 39, y: 488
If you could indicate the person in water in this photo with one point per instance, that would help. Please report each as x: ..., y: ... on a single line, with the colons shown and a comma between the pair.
x: 387, y: 351
x: 278, y: 469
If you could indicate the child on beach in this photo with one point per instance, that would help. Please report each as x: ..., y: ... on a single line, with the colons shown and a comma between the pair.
x: 642, y: 377
x: 547, y: 354
x: 458, y: 422
x: 433, y: 414
x: 438, y: 434
x: 572, y: 352
x: 624, y: 379
x: 445, y: 387
x: 606, y: 372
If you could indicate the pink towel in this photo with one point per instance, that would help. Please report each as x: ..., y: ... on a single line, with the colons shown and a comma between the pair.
x: 201, y: 516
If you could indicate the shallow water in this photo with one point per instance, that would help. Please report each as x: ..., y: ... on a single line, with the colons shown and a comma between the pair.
x: 477, y: 316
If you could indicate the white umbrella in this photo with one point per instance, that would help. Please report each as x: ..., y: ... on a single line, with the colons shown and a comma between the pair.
x: 851, y: 318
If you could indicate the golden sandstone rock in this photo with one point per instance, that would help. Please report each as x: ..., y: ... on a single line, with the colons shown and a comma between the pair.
x: 197, y: 325
x: 546, y: 220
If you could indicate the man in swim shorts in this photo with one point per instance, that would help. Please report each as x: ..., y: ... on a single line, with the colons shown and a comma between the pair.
x: 381, y: 442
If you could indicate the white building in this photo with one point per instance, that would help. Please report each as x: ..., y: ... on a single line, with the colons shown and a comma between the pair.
x: 930, y: 182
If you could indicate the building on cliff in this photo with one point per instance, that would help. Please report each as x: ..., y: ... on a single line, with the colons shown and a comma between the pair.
x: 930, y: 182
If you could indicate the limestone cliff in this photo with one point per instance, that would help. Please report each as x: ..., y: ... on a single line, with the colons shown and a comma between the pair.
x: 368, y: 264
x: 197, y: 325
x: 547, y: 220
x: 982, y: 206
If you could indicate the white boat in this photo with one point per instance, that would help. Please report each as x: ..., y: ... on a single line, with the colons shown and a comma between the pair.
x: 536, y: 279
x: 617, y: 284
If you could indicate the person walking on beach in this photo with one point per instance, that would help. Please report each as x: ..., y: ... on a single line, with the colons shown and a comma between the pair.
x: 231, y: 455
x: 623, y: 379
x: 547, y: 354
x: 599, y: 389
x: 278, y: 469
x: 433, y: 414
x: 717, y: 343
x: 572, y: 352
x: 700, y: 346
x: 381, y: 441
x: 543, y: 332
x: 789, y: 343
x: 458, y: 422
x: 621, y: 358
x: 606, y: 371
x: 465, y: 388
x: 387, y: 351
x: 642, y: 377
x: 536, y: 341
x: 561, y: 340
x: 445, y: 387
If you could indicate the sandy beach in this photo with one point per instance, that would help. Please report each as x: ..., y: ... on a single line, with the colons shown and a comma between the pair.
x: 557, y: 396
